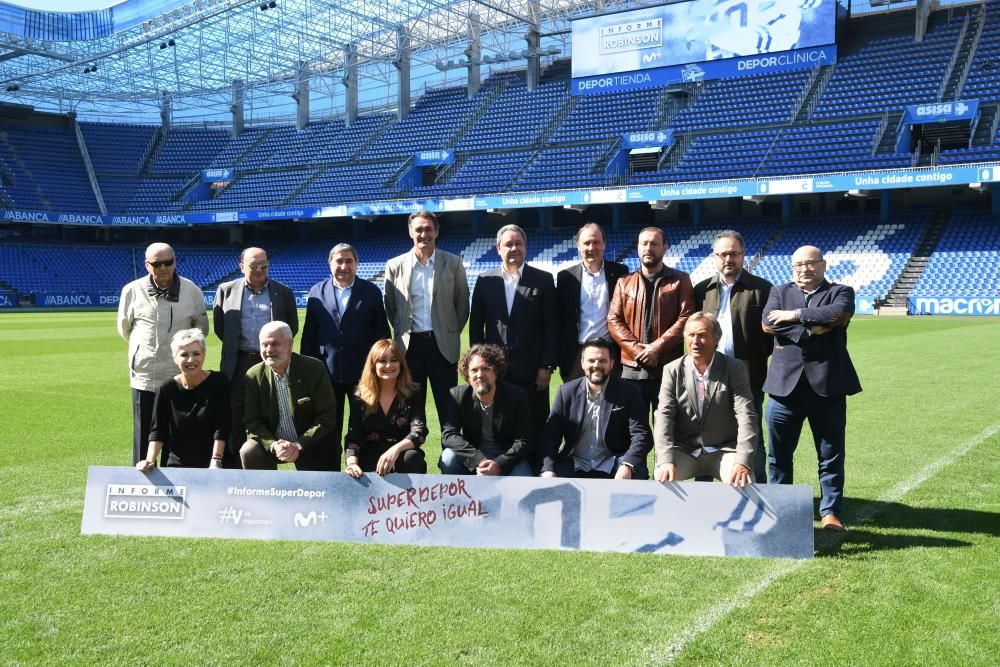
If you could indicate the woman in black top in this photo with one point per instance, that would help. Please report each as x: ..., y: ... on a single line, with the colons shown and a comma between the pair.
x: 387, y: 426
x: 191, y: 412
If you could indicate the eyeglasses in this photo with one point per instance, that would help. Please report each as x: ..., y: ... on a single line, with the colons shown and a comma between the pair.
x: 262, y: 266
x: 808, y: 264
x: 163, y: 262
x: 728, y: 255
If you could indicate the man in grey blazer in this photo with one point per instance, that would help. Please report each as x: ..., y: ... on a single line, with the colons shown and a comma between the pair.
x: 427, y: 304
x: 242, y: 307
x: 704, y: 423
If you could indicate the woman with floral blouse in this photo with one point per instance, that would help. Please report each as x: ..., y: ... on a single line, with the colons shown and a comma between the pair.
x: 387, y: 426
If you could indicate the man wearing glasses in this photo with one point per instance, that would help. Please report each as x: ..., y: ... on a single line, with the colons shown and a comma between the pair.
x: 737, y: 298
x: 811, y: 375
x: 150, y: 311
x: 242, y: 307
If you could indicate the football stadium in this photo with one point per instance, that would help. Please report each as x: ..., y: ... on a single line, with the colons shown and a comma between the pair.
x: 869, y: 129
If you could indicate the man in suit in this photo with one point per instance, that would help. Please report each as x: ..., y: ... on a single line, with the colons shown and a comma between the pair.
x: 810, y: 376
x: 241, y: 308
x: 344, y: 318
x: 427, y: 303
x: 515, y: 307
x: 647, y: 315
x: 704, y: 423
x: 486, y: 427
x: 737, y: 298
x: 597, y: 427
x: 290, y: 412
x: 151, y: 310
x: 583, y: 292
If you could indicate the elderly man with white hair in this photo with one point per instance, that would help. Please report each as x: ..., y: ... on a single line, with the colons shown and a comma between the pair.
x: 290, y: 412
x: 151, y: 310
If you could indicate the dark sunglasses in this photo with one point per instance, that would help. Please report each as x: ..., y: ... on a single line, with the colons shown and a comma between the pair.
x: 262, y: 266
x: 165, y: 262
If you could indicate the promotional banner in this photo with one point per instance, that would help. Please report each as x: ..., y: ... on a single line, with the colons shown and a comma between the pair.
x: 433, y: 158
x: 941, y: 112
x: 957, y: 305
x: 8, y: 300
x: 657, y: 139
x: 698, y: 31
x: 70, y: 299
x: 835, y: 182
x: 689, y: 518
x: 785, y: 61
x: 214, y: 175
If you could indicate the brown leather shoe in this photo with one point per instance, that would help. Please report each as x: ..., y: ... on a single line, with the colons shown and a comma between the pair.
x: 831, y: 522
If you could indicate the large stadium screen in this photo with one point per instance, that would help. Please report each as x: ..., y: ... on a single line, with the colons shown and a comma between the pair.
x: 701, y: 39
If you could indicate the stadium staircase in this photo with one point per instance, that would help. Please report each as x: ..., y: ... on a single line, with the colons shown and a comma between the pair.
x: 771, y: 241
x: 915, y: 265
x: 813, y: 91
x: 965, y: 47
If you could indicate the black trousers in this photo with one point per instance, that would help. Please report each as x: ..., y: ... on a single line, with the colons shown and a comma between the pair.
x: 238, y: 430
x: 428, y: 366
x: 538, y: 404
x: 142, y: 420
x: 341, y: 390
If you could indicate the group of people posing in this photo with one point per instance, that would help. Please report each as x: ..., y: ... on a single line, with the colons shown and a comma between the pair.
x: 617, y: 338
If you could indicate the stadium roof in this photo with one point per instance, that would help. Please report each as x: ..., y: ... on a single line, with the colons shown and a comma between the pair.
x: 117, y: 62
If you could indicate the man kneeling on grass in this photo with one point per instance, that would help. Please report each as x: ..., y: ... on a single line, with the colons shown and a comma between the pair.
x: 705, y: 422
x: 486, y: 428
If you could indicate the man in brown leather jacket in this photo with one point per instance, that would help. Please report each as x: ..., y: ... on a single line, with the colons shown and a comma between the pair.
x: 647, y: 315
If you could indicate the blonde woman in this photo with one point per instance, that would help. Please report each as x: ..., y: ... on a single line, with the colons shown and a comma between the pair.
x: 387, y: 424
x: 191, y: 412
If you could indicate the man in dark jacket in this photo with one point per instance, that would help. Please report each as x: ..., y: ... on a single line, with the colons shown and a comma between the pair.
x: 486, y: 427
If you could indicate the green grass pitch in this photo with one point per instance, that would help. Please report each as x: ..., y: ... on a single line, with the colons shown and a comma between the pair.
x: 914, y: 581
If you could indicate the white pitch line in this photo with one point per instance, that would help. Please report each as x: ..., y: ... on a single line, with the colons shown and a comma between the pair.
x: 709, y: 619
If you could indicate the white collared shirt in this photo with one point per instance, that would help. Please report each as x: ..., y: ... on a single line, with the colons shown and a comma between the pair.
x: 726, y: 344
x: 510, y: 283
x: 421, y: 293
x: 593, y: 304
x: 342, y: 296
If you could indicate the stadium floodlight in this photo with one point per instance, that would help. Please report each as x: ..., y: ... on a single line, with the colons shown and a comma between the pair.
x: 978, y: 187
x: 660, y: 204
x: 579, y: 208
x: 756, y: 199
x: 856, y: 194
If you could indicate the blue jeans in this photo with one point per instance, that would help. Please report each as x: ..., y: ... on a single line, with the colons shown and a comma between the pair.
x: 827, y: 416
x: 566, y: 468
x: 450, y: 464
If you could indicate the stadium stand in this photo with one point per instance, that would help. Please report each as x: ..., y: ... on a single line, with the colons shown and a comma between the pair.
x: 966, y: 262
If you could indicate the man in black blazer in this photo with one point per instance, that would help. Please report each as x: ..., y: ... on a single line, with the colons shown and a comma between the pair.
x: 597, y: 427
x: 241, y: 308
x: 737, y: 298
x: 486, y: 425
x: 344, y: 317
x: 810, y: 376
x: 583, y: 292
x: 515, y: 307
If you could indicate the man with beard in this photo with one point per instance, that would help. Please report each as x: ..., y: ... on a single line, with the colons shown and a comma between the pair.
x: 737, y: 298
x: 705, y: 422
x: 647, y: 315
x: 598, y: 426
x: 486, y: 427
x: 584, y: 292
x: 290, y: 413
